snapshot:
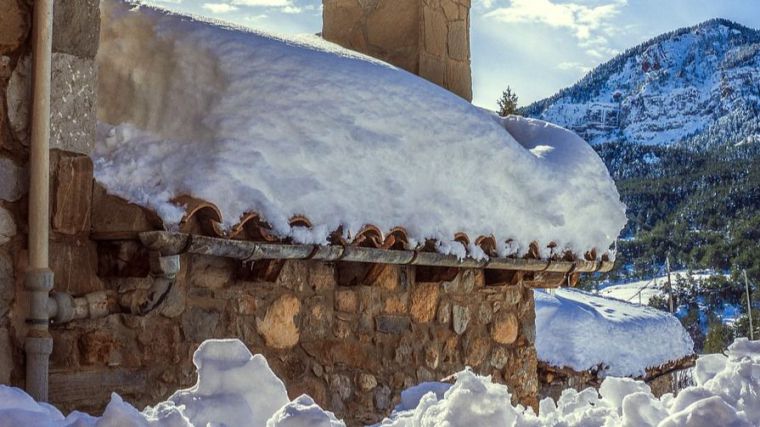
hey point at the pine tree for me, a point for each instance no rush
(507, 103)
(718, 337)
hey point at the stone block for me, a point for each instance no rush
(450, 9)
(321, 276)
(461, 315)
(112, 215)
(476, 351)
(15, 21)
(7, 226)
(73, 103)
(366, 381)
(352, 354)
(346, 300)
(341, 23)
(97, 347)
(444, 313)
(459, 79)
(6, 357)
(458, 44)
(76, 27)
(72, 204)
(199, 324)
(7, 284)
(382, 397)
(435, 31)
(278, 326)
(318, 319)
(19, 98)
(211, 272)
(424, 302)
(505, 327)
(396, 304)
(75, 265)
(393, 25)
(13, 183)
(499, 357)
(432, 68)
(390, 324)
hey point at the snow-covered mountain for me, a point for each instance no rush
(698, 86)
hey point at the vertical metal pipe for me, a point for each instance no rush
(39, 279)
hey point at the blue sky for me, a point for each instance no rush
(535, 46)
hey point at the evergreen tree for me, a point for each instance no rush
(719, 336)
(692, 325)
(507, 103)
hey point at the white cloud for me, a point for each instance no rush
(219, 7)
(574, 66)
(589, 24)
(263, 3)
(291, 9)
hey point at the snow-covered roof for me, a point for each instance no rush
(264, 128)
(582, 331)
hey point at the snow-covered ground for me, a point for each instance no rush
(639, 292)
(582, 331)
(284, 126)
(235, 388)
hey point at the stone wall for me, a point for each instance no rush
(430, 38)
(75, 42)
(350, 335)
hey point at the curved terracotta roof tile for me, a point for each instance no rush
(487, 244)
(370, 235)
(204, 217)
(206, 214)
(397, 238)
(253, 227)
(462, 238)
(299, 221)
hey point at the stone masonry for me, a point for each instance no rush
(75, 43)
(430, 38)
(352, 336)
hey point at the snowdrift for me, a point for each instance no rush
(581, 331)
(297, 126)
(235, 388)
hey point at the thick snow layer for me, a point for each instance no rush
(582, 331)
(726, 393)
(256, 122)
(234, 388)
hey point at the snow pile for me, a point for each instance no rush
(285, 126)
(581, 331)
(235, 389)
(727, 393)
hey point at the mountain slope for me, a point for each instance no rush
(697, 86)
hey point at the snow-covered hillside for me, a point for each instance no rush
(697, 84)
(640, 291)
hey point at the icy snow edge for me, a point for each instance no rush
(255, 122)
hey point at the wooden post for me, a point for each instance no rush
(670, 286)
(749, 305)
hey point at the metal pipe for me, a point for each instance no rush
(173, 243)
(39, 279)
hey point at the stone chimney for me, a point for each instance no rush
(430, 38)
